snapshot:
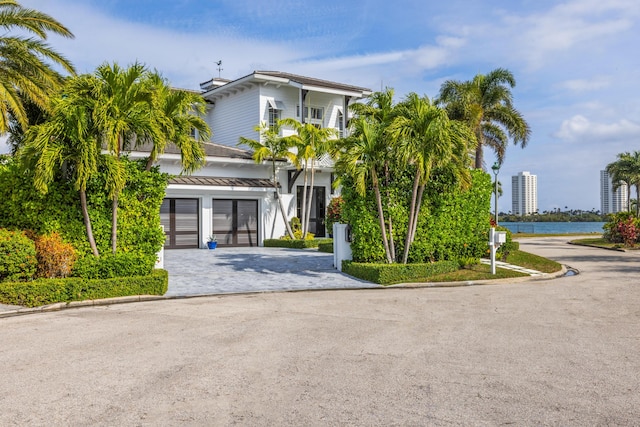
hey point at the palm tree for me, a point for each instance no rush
(486, 105)
(360, 156)
(271, 146)
(626, 169)
(311, 143)
(68, 139)
(180, 118)
(381, 110)
(427, 139)
(124, 113)
(25, 70)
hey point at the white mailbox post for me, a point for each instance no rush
(341, 244)
(496, 238)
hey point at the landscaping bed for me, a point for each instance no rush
(296, 243)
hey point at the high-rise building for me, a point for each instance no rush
(612, 200)
(524, 193)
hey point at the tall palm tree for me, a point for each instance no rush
(26, 73)
(272, 147)
(180, 119)
(427, 139)
(486, 105)
(360, 155)
(124, 114)
(66, 138)
(381, 110)
(311, 143)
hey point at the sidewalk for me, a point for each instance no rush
(500, 264)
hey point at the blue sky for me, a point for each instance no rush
(575, 61)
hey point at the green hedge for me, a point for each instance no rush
(388, 274)
(48, 291)
(294, 244)
(326, 247)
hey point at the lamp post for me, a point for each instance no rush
(496, 170)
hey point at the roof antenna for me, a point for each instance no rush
(219, 64)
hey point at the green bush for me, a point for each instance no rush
(326, 247)
(506, 248)
(17, 256)
(453, 222)
(122, 264)
(622, 227)
(294, 244)
(388, 274)
(48, 291)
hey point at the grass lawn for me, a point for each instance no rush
(526, 235)
(600, 243)
(483, 272)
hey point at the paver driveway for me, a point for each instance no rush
(231, 270)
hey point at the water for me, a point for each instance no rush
(553, 227)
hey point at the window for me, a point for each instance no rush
(316, 113)
(340, 124)
(274, 109)
(274, 116)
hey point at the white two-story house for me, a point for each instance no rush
(232, 197)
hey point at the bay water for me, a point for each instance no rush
(553, 227)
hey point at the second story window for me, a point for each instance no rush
(274, 112)
(313, 115)
(340, 123)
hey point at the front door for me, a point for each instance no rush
(235, 222)
(180, 220)
(316, 219)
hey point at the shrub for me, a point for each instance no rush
(296, 227)
(620, 228)
(334, 213)
(506, 248)
(294, 244)
(48, 291)
(326, 246)
(388, 274)
(55, 257)
(123, 264)
(17, 256)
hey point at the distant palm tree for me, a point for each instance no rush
(626, 169)
(486, 105)
(271, 147)
(26, 74)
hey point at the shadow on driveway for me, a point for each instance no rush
(257, 269)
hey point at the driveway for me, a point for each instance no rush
(256, 269)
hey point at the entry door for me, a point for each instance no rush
(235, 222)
(180, 218)
(316, 219)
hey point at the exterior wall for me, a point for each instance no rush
(524, 193)
(235, 116)
(612, 201)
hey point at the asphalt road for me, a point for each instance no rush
(557, 352)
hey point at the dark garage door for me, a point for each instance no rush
(235, 222)
(180, 218)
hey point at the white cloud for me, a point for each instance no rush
(586, 85)
(579, 128)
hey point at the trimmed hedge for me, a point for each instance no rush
(17, 256)
(326, 247)
(294, 244)
(388, 274)
(48, 291)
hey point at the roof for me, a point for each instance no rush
(222, 182)
(280, 78)
(211, 149)
(314, 82)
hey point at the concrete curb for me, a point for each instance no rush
(143, 298)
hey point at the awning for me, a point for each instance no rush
(276, 105)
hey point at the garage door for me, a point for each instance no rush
(235, 222)
(180, 218)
